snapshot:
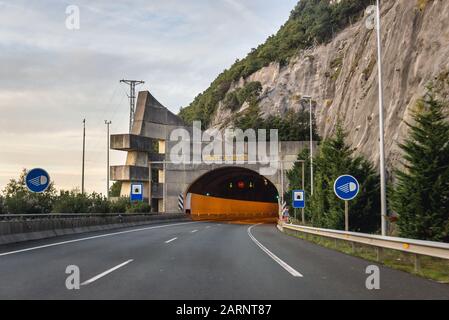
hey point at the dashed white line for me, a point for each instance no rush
(193, 231)
(94, 237)
(284, 265)
(101, 275)
(171, 240)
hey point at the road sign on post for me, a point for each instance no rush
(137, 192)
(299, 199)
(346, 187)
(37, 180)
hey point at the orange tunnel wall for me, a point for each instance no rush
(204, 208)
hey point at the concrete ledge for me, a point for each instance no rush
(20, 231)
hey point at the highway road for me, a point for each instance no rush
(197, 260)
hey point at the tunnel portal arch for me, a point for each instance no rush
(230, 193)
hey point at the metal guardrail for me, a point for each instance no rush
(418, 247)
(8, 217)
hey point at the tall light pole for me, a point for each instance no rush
(383, 183)
(107, 123)
(311, 142)
(84, 156)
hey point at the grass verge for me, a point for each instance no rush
(430, 268)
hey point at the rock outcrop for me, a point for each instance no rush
(341, 76)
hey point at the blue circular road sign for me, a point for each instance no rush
(37, 180)
(346, 187)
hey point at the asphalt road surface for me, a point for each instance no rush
(197, 260)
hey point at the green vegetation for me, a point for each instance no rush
(421, 195)
(234, 100)
(311, 22)
(2, 205)
(138, 207)
(17, 199)
(431, 268)
(293, 126)
(324, 209)
(75, 202)
(115, 189)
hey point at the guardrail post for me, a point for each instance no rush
(417, 263)
(379, 254)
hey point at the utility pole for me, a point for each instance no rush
(383, 183)
(132, 99)
(107, 123)
(84, 156)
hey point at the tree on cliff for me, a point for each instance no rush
(421, 194)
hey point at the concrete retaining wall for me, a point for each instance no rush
(19, 231)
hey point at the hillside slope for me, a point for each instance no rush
(341, 75)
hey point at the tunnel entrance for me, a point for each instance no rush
(232, 193)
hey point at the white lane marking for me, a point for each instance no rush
(284, 265)
(101, 275)
(207, 227)
(171, 240)
(94, 237)
(193, 231)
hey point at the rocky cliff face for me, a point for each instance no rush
(341, 76)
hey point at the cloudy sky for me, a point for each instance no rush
(52, 77)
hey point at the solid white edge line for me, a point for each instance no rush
(171, 240)
(284, 265)
(101, 275)
(93, 237)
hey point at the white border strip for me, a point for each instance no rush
(284, 265)
(94, 237)
(101, 275)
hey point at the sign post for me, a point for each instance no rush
(37, 180)
(346, 216)
(346, 188)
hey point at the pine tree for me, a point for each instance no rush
(324, 209)
(421, 194)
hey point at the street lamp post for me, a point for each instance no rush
(311, 142)
(107, 123)
(84, 156)
(381, 127)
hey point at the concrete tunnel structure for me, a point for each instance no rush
(220, 191)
